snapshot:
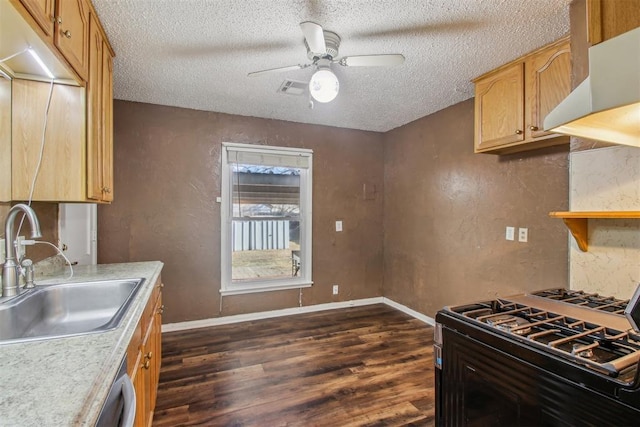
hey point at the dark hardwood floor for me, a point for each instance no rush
(360, 366)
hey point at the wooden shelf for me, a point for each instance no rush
(577, 222)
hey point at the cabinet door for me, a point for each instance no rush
(499, 107)
(156, 347)
(72, 34)
(42, 13)
(139, 384)
(107, 124)
(94, 112)
(149, 371)
(65, 142)
(609, 18)
(548, 81)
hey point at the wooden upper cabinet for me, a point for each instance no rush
(42, 12)
(512, 101)
(107, 124)
(99, 116)
(609, 18)
(94, 112)
(65, 142)
(548, 79)
(71, 35)
(5, 139)
(498, 108)
(79, 133)
(64, 24)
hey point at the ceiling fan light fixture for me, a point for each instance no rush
(324, 85)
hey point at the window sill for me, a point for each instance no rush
(237, 289)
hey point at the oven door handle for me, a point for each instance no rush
(129, 396)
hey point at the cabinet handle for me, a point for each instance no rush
(59, 19)
(161, 285)
(146, 364)
(67, 34)
(161, 309)
(106, 190)
(533, 128)
(518, 132)
(149, 355)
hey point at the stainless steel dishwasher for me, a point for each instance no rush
(120, 407)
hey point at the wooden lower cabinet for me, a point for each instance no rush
(143, 358)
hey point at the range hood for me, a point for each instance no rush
(606, 106)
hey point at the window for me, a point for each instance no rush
(266, 218)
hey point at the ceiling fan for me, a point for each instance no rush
(322, 49)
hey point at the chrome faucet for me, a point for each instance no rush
(10, 270)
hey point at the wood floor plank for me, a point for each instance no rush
(361, 366)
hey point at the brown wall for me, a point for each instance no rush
(167, 177)
(446, 209)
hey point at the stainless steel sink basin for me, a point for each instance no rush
(67, 309)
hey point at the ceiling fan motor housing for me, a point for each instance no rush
(331, 40)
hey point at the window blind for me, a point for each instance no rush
(269, 157)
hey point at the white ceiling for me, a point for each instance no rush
(197, 53)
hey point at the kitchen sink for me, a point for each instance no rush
(62, 310)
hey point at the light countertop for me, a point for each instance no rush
(65, 381)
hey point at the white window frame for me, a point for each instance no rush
(304, 280)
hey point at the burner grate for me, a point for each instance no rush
(585, 299)
(601, 348)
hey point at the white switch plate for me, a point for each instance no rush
(338, 225)
(2, 255)
(523, 234)
(335, 289)
(510, 233)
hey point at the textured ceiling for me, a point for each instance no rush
(197, 53)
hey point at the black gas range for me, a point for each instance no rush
(553, 357)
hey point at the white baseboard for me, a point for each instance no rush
(403, 308)
(226, 320)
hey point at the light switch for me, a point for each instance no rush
(338, 225)
(510, 233)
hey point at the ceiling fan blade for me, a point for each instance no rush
(372, 60)
(314, 35)
(278, 70)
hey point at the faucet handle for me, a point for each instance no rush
(29, 273)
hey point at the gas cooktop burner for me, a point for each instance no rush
(508, 323)
(582, 351)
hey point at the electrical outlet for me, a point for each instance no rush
(335, 289)
(523, 235)
(2, 254)
(510, 233)
(338, 225)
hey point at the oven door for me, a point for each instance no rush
(483, 382)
